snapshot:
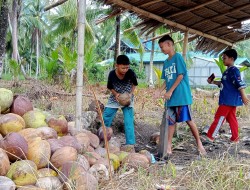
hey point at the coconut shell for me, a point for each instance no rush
(49, 183)
(6, 99)
(34, 119)
(21, 105)
(6, 183)
(23, 172)
(11, 123)
(39, 152)
(60, 125)
(4, 163)
(63, 155)
(124, 99)
(15, 146)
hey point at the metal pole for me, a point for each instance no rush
(80, 61)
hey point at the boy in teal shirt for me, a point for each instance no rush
(178, 93)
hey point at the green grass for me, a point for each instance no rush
(247, 90)
(9, 77)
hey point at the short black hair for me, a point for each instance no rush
(165, 38)
(122, 60)
(232, 53)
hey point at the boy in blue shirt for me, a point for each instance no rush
(232, 94)
(121, 80)
(178, 93)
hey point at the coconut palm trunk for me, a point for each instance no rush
(3, 30)
(151, 82)
(118, 37)
(37, 53)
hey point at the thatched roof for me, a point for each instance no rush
(216, 24)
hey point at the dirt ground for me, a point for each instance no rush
(148, 116)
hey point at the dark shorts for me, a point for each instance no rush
(178, 114)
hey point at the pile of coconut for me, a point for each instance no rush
(42, 151)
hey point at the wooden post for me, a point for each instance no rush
(185, 46)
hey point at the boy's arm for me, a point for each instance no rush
(244, 96)
(159, 90)
(171, 90)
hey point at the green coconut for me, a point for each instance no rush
(11, 123)
(34, 119)
(6, 99)
(23, 172)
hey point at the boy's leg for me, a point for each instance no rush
(171, 129)
(233, 123)
(128, 113)
(196, 135)
(108, 115)
(219, 119)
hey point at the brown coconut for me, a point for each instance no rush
(128, 148)
(4, 163)
(109, 133)
(155, 138)
(84, 140)
(71, 141)
(6, 183)
(136, 160)
(55, 144)
(92, 157)
(82, 160)
(124, 99)
(39, 152)
(21, 105)
(63, 155)
(94, 140)
(69, 170)
(100, 172)
(60, 125)
(147, 154)
(84, 181)
(23, 172)
(29, 134)
(49, 183)
(15, 146)
(6, 99)
(11, 123)
(34, 119)
(101, 151)
(47, 133)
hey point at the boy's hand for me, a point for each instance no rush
(168, 95)
(157, 94)
(116, 96)
(210, 79)
(245, 100)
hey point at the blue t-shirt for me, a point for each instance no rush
(231, 83)
(171, 69)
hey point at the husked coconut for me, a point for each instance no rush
(21, 105)
(34, 119)
(4, 163)
(124, 99)
(15, 146)
(94, 140)
(11, 123)
(39, 152)
(60, 125)
(6, 99)
(49, 183)
(63, 155)
(92, 157)
(23, 172)
(84, 140)
(71, 141)
(6, 183)
(55, 144)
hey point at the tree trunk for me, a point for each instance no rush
(37, 52)
(151, 83)
(117, 38)
(3, 31)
